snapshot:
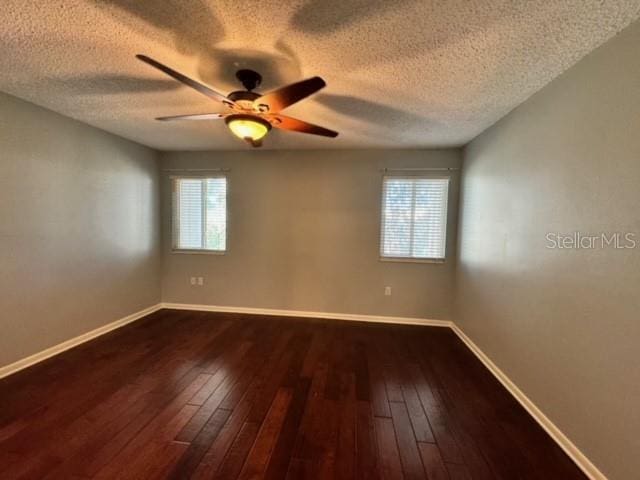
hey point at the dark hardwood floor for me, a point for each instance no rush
(198, 395)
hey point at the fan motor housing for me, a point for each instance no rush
(243, 95)
(243, 98)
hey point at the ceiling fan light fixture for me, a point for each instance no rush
(253, 113)
(248, 127)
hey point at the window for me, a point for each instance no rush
(414, 218)
(200, 214)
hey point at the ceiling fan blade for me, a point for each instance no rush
(281, 98)
(288, 123)
(187, 81)
(197, 116)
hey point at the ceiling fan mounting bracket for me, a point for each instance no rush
(249, 78)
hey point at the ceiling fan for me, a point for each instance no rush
(252, 114)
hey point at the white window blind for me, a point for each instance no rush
(200, 214)
(414, 217)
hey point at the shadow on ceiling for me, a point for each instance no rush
(114, 84)
(400, 29)
(367, 110)
(378, 120)
(326, 16)
(191, 23)
(195, 31)
(220, 66)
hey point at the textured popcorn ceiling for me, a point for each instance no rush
(403, 73)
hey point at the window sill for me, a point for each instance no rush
(412, 260)
(199, 252)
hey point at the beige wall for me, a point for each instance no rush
(304, 235)
(563, 324)
(79, 228)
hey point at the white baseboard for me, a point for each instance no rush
(66, 345)
(301, 313)
(85, 337)
(589, 469)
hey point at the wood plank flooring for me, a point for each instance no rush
(199, 395)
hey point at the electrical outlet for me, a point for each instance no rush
(192, 280)
(200, 281)
(387, 291)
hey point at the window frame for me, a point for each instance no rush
(384, 258)
(175, 221)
